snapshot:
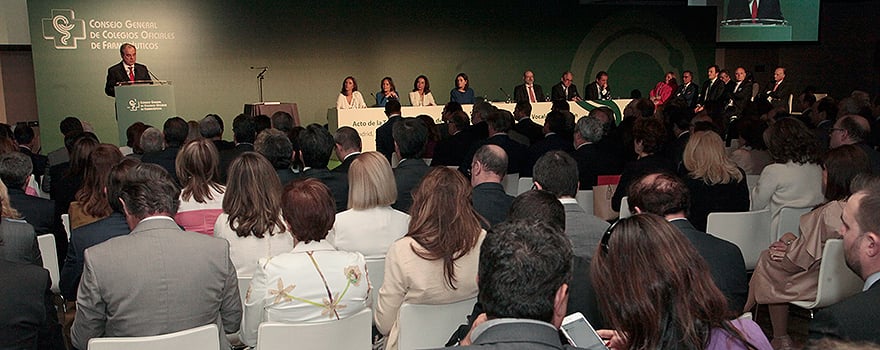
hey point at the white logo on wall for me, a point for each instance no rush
(64, 29)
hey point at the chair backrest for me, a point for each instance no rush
(199, 338)
(65, 219)
(50, 258)
(790, 221)
(430, 326)
(836, 280)
(752, 181)
(353, 332)
(511, 183)
(749, 230)
(525, 184)
(244, 282)
(376, 274)
(585, 200)
(624, 208)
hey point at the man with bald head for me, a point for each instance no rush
(854, 130)
(488, 168)
(528, 91)
(855, 319)
(779, 91)
(565, 90)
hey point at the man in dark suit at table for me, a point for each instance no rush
(244, 133)
(316, 145)
(754, 9)
(488, 168)
(348, 146)
(598, 90)
(668, 196)
(410, 135)
(126, 71)
(565, 90)
(528, 91)
(688, 90)
(15, 172)
(175, 130)
(855, 319)
(384, 137)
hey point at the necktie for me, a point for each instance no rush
(532, 95)
(775, 86)
(131, 74)
(754, 10)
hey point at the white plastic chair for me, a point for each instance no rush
(65, 219)
(749, 230)
(751, 182)
(429, 326)
(353, 332)
(244, 282)
(376, 274)
(624, 208)
(585, 200)
(836, 280)
(50, 258)
(525, 184)
(790, 221)
(511, 183)
(199, 338)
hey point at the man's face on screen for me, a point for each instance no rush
(129, 55)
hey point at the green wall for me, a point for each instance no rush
(207, 47)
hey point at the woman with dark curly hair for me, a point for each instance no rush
(657, 292)
(795, 178)
(648, 134)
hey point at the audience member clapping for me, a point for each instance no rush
(314, 282)
(251, 219)
(202, 196)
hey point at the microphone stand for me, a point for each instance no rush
(260, 81)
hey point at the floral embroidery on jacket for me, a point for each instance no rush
(331, 303)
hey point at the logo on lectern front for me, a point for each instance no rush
(64, 29)
(133, 105)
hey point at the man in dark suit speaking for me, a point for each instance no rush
(126, 71)
(754, 9)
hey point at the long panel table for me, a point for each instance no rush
(366, 120)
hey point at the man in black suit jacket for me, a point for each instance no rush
(565, 90)
(244, 132)
(488, 168)
(713, 90)
(410, 135)
(855, 319)
(125, 71)
(28, 319)
(528, 91)
(558, 127)
(384, 137)
(348, 146)
(598, 90)
(211, 128)
(743, 9)
(451, 150)
(27, 141)
(175, 130)
(15, 172)
(525, 125)
(591, 159)
(779, 91)
(740, 92)
(316, 145)
(667, 196)
(688, 91)
(516, 152)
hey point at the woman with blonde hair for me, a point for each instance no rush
(17, 242)
(715, 182)
(251, 219)
(370, 225)
(91, 200)
(201, 198)
(436, 262)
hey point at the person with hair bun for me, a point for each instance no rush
(656, 292)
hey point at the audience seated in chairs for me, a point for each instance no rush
(91, 200)
(316, 145)
(278, 150)
(436, 262)
(789, 269)
(370, 225)
(251, 219)
(667, 298)
(202, 195)
(314, 282)
(19, 242)
(175, 131)
(410, 135)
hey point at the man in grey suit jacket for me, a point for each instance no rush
(557, 172)
(159, 279)
(667, 196)
(527, 317)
